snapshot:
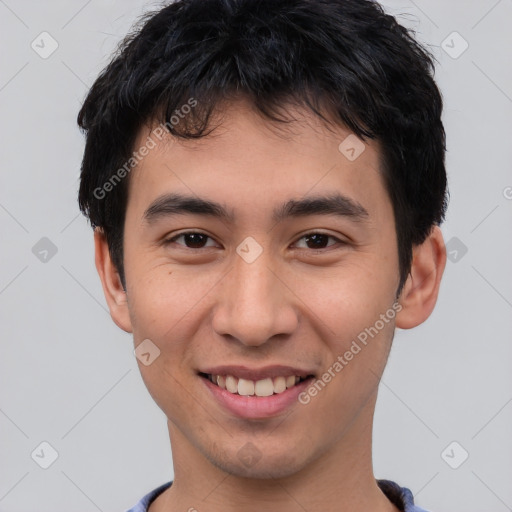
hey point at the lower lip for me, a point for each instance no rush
(253, 407)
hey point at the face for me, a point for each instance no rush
(295, 260)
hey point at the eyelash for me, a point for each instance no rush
(312, 233)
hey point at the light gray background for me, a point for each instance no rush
(67, 373)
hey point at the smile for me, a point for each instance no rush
(260, 388)
(255, 406)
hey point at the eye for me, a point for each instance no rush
(197, 240)
(191, 240)
(318, 241)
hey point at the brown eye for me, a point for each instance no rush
(318, 241)
(191, 240)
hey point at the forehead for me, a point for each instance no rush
(249, 160)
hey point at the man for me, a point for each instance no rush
(266, 181)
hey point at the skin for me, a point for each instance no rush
(293, 305)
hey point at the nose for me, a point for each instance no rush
(254, 303)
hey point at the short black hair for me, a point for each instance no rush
(348, 59)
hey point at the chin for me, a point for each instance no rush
(260, 463)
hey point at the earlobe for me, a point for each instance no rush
(115, 294)
(419, 294)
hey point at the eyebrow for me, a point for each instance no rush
(178, 204)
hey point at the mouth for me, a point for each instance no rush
(255, 388)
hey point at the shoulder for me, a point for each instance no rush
(401, 497)
(145, 501)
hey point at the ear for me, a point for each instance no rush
(111, 282)
(420, 291)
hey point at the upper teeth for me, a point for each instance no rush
(263, 387)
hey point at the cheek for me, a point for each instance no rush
(353, 363)
(164, 299)
(350, 297)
